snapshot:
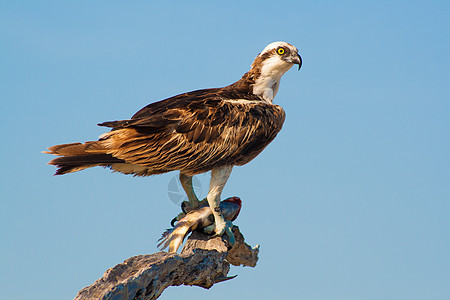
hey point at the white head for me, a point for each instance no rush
(275, 60)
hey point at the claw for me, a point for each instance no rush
(177, 218)
(216, 228)
(187, 206)
(226, 229)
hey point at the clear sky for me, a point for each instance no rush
(351, 200)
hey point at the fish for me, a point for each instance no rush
(197, 219)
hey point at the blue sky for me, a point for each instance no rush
(351, 200)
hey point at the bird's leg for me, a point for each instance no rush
(219, 177)
(186, 183)
(193, 202)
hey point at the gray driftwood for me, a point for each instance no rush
(204, 261)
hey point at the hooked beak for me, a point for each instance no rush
(294, 59)
(298, 60)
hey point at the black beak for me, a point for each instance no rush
(298, 60)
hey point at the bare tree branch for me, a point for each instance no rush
(204, 261)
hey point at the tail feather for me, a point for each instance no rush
(77, 156)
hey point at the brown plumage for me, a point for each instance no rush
(211, 129)
(194, 132)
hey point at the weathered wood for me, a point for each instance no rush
(204, 261)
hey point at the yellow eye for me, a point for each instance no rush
(280, 51)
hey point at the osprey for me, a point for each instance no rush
(195, 132)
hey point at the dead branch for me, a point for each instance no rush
(204, 261)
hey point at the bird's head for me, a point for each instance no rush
(269, 66)
(278, 57)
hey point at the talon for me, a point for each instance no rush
(226, 228)
(187, 206)
(177, 218)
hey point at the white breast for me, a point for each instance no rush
(267, 84)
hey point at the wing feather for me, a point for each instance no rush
(196, 133)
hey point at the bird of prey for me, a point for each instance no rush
(205, 130)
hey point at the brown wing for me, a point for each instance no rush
(195, 135)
